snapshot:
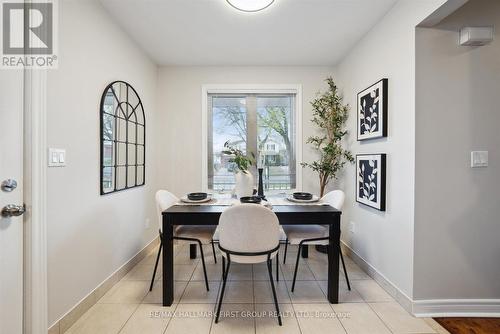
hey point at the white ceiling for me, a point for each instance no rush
(211, 32)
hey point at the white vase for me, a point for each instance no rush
(244, 184)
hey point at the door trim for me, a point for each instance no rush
(35, 189)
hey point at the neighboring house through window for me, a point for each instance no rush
(263, 122)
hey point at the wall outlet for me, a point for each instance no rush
(352, 227)
(147, 223)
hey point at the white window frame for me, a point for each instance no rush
(251, 89)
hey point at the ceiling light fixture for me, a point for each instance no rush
(250, 5)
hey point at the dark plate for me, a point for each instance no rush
(303, 196)
(197, 196)
(251, 199)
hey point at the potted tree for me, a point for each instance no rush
(330, 116)
(244, 179)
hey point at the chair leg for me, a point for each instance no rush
(203, 263)
(213, 250)
(156, 266)
(270, 270)
(286, 248)
(296, 267)
(225, 272)
(345, 271)
(277, 266)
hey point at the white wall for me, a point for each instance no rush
(385, 239)
(90, 236)
(180, 108)
(456, 208)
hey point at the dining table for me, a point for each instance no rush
(288, 213)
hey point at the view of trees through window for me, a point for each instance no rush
(260, 123)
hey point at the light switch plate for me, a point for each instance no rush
(57, 157)
(479, 159)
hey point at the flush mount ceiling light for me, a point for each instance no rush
(250, 5)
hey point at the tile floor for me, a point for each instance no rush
(129, 307)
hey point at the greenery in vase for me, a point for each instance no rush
(242, 161)
(330, 115)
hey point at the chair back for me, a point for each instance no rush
(164, 200)
(248, 228)
(335, 198)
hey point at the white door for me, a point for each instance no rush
(11, 201)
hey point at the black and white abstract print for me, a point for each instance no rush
(370, 180)
(372, 111)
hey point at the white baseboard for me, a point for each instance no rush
(386, 284)
(428, 308)
(68, 319)
(457, 308)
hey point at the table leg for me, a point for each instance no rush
(192, 251)
(333, 261)
(168, 261)
(305, 251)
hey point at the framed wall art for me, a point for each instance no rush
(372, 111)
(370, 180)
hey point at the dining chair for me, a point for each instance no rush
(315, 234)
(201, 234)
(283, 240)
(248, 234)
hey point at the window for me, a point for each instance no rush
(263, 123)
(123, 133)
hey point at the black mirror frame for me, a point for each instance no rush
(102, 139)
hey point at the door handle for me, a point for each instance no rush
(13, 210)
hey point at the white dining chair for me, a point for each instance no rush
(283, 240)
(248, 234)
(201, 234)
(315, 234)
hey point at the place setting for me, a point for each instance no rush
(197, 198)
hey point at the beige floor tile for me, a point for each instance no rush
(303, 272)
(214, 272)
(183, 272)
(264, 294)
(267, 323)
(156, 296)
(143, 272)
(260, 272)
(196, 293)
(359, 318)
(240, 272)
(345, 296)
(103, 319)
(320, 271)
(398, 320)
(150, 258)
(306, 292)
(238, 292)
(370, 291)
(209, 255)
(131, 292)
(148, 319)
(235, 319)
(355, 272)
(182, 256)
(317, 318)
(192, 319)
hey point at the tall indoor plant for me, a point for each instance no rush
(244, 179)
(330, 116)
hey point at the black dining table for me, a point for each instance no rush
(287, 215)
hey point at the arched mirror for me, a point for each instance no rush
(123, 138)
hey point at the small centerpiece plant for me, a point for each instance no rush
(244, 179)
